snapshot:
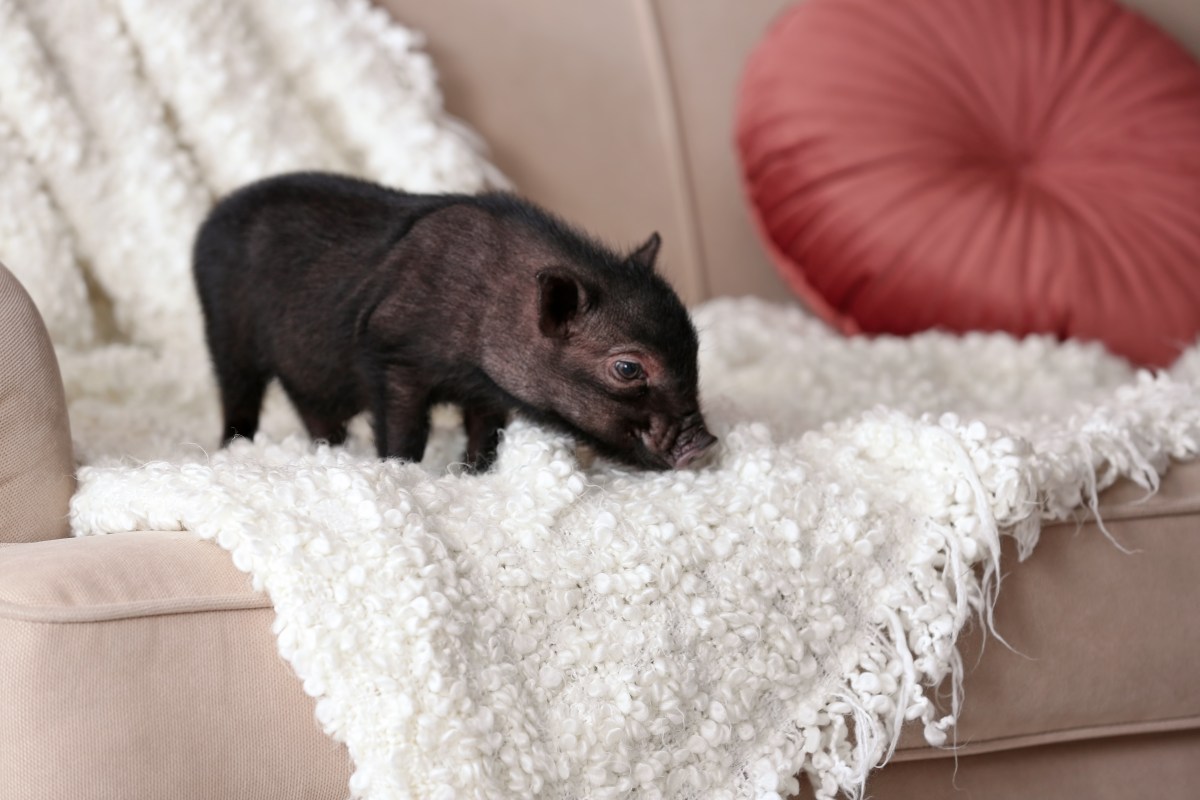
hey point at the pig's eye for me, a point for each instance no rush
(627, 370)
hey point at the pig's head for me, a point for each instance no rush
(616, 359)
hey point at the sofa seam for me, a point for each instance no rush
(1076, 733)
(664, 87)
(91, 614)
(1085, 516)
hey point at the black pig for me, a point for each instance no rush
(358, 297)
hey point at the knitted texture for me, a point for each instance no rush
(559, 626)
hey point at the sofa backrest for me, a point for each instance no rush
(619, 115)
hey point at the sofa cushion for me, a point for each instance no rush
(37, 471)
(1025, 166)
(1149, 765)
(1100, 643)
(142, 666)
(1099, 702)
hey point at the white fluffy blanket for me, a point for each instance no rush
(560, 630)
(557, 627)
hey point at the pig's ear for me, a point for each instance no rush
(646, 254)
(561, 298)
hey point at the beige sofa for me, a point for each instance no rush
(143, 666)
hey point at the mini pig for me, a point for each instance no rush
(356, 296)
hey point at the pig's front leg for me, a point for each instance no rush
(483, 426)
(401, 411)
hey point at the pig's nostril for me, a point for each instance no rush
(700, 446)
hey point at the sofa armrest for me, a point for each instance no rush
(141, 666)
(36, 464)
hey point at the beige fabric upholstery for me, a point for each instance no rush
(1099, 700)
(1088, 623)
(1156, 766)
(142, 666)
(36, 465)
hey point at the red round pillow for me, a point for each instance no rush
(1030, 166)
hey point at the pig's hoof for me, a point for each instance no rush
(481, 463)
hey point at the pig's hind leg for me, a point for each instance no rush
(242, 388)
(241, 379)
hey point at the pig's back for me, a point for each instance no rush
(286, 264)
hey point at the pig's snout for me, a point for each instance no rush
(692, 445)
(671, 442)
